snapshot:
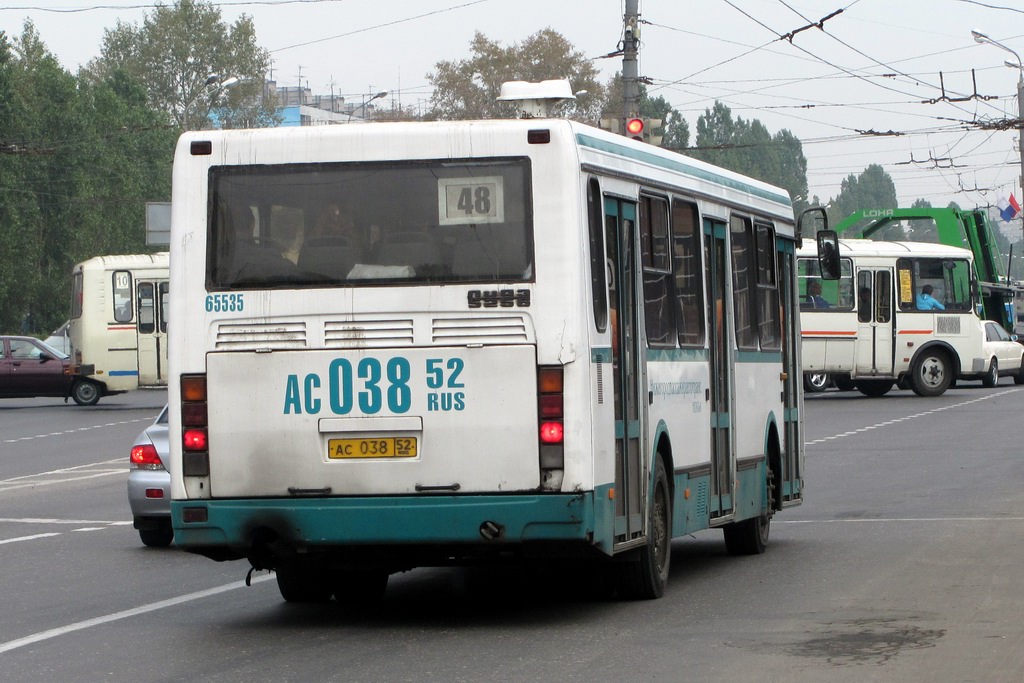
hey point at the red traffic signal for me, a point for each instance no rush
(635, 128)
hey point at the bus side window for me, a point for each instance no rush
(122, 282)
(164, 305)
(864, 299)
(689, 266)
(147, 319)
(598, 284)
(657, 265)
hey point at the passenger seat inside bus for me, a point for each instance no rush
(331, 257)
(415, 249)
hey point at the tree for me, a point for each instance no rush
(747, 147)
(78, 159)
(185, 56)
(872, 189)
(469, 88)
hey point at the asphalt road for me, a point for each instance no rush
(906, 563)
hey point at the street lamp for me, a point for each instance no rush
(980, 37)
(212, 88)
(362, 109)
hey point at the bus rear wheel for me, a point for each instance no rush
(874, 387)
(301, 582)
(645, 578)
(85, 393)
(360, 587)
(932, 374)
(749, 537)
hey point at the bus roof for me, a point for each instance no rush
(595, 148)
(858, 247)
(125, 261)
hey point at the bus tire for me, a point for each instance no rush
(303, 583)
(844, 383)
(360, 587)
(749, 537)
(874, 387)
(85, 393)
(160, 537)
(645, 578)
(991, 377)
(931, 374)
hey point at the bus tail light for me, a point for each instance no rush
(551, 414)
(195, 456)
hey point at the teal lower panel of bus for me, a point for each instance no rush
(516, 518)
(693, 502)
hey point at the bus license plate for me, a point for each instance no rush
(388, 447)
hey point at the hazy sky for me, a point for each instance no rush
(872, 68)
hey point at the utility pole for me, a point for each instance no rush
(630, 67)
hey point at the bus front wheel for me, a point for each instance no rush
(85, 393)
(932, 374)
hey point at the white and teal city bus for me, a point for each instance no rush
(412, 344)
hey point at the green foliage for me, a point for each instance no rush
(872, 189)
(182, 54)
(747, 147)
(78, 159)
(469, 88)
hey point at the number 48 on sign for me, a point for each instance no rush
(462, 201)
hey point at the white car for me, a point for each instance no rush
(1005, 355)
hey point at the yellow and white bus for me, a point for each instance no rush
(432, 343)
(901, 313)
(119, 323)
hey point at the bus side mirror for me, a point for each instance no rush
(828, 254)
(811, 221)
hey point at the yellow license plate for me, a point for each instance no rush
(387, 447)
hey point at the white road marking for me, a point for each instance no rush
(44, 520)
(28, 538)
(909, 417)
(116, 616)
(79, 429)
(875, 520)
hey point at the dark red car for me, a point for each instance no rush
(29, 367)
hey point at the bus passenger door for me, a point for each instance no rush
(152, 332)
(630, 465)
(723, 463)
(792, 466)
(875, 330)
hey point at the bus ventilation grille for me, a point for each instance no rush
(947, 324)
(479, 329)
(368, 334)
(254, 335)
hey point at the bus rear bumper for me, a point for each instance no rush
(267, 530)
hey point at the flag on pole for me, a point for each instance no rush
(1008, 209)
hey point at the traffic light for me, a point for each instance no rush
(643, 130)
(635, 128)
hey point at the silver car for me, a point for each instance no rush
(149, 484)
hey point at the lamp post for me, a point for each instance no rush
(212, 88)
(362, 109)
(1019, 65)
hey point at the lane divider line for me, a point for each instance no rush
(908, 417)
(125, 614)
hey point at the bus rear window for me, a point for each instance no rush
(369, 224)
